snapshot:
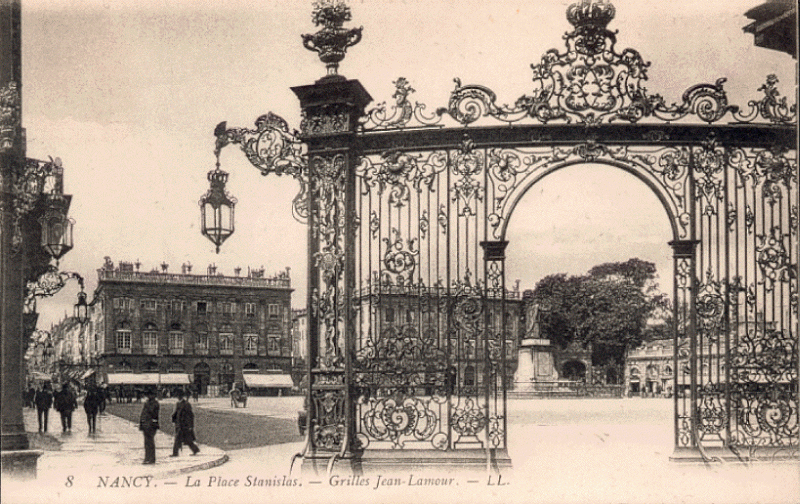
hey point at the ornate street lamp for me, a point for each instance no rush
(56, 228)
(216, 206)
(81, 309)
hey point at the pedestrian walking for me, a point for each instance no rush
(102, 397)
(183, 418)
(65, 403)
(91, 405)
(148, 424)
(30, 397)
(43, 400)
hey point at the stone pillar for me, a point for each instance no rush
(331, 108)
(17, 460)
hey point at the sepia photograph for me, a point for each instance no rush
(380, 251)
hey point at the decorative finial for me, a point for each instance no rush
(594, 13)
(332, 41)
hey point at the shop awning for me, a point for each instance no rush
(133, 378)
(174, 379)
(268, 380)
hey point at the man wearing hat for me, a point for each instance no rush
(148, 424)
(183, 418)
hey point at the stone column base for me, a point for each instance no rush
(20, 464)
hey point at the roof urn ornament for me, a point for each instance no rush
(332, 41)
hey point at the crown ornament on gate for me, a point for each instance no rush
(332, 41)
(590, 19)
(590, 13)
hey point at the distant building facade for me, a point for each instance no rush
(423, 321)
(300, 334)
(208, 330)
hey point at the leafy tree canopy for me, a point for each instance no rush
(608, 308)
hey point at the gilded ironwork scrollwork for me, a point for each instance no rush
(403, 112)
(399, 260)
(10, 115)
(328, 229)
(467, 189)
(589, 83)
(764, 369)
(773, 258)
(328, 428)
(271, 148)
(400, 173)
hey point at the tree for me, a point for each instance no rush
(608, 308)
(556, 296)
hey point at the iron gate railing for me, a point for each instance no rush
(408, 206)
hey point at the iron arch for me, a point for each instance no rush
(671, 207)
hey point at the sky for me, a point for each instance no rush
(127, 94)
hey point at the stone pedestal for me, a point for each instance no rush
(535, 364)
(20, 465)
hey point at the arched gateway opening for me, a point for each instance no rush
(407, 208)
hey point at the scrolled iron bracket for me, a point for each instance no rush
(272, 148)
(48, 285)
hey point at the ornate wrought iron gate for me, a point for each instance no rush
(408, 341)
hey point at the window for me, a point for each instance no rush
(226, 344)
(123, 340)
(274, 346)
(251, 344)
(176, 305)
(202, 307)
(227, 309)
(123, 303)
(175, 342)
(274, 311)
(148, 304)
(150, 340)
(390, 315)
(250, 310)
(201, 343)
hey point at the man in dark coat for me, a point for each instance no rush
(43, 400)
(148, 424)
(30, 397)
(183, 418)
(91, 405)
(65, 403)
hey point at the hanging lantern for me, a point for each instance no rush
(56, 230)
(216, 209)
(81, 309)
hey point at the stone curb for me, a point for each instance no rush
(198, 467)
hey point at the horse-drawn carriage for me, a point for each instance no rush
(238, 398)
